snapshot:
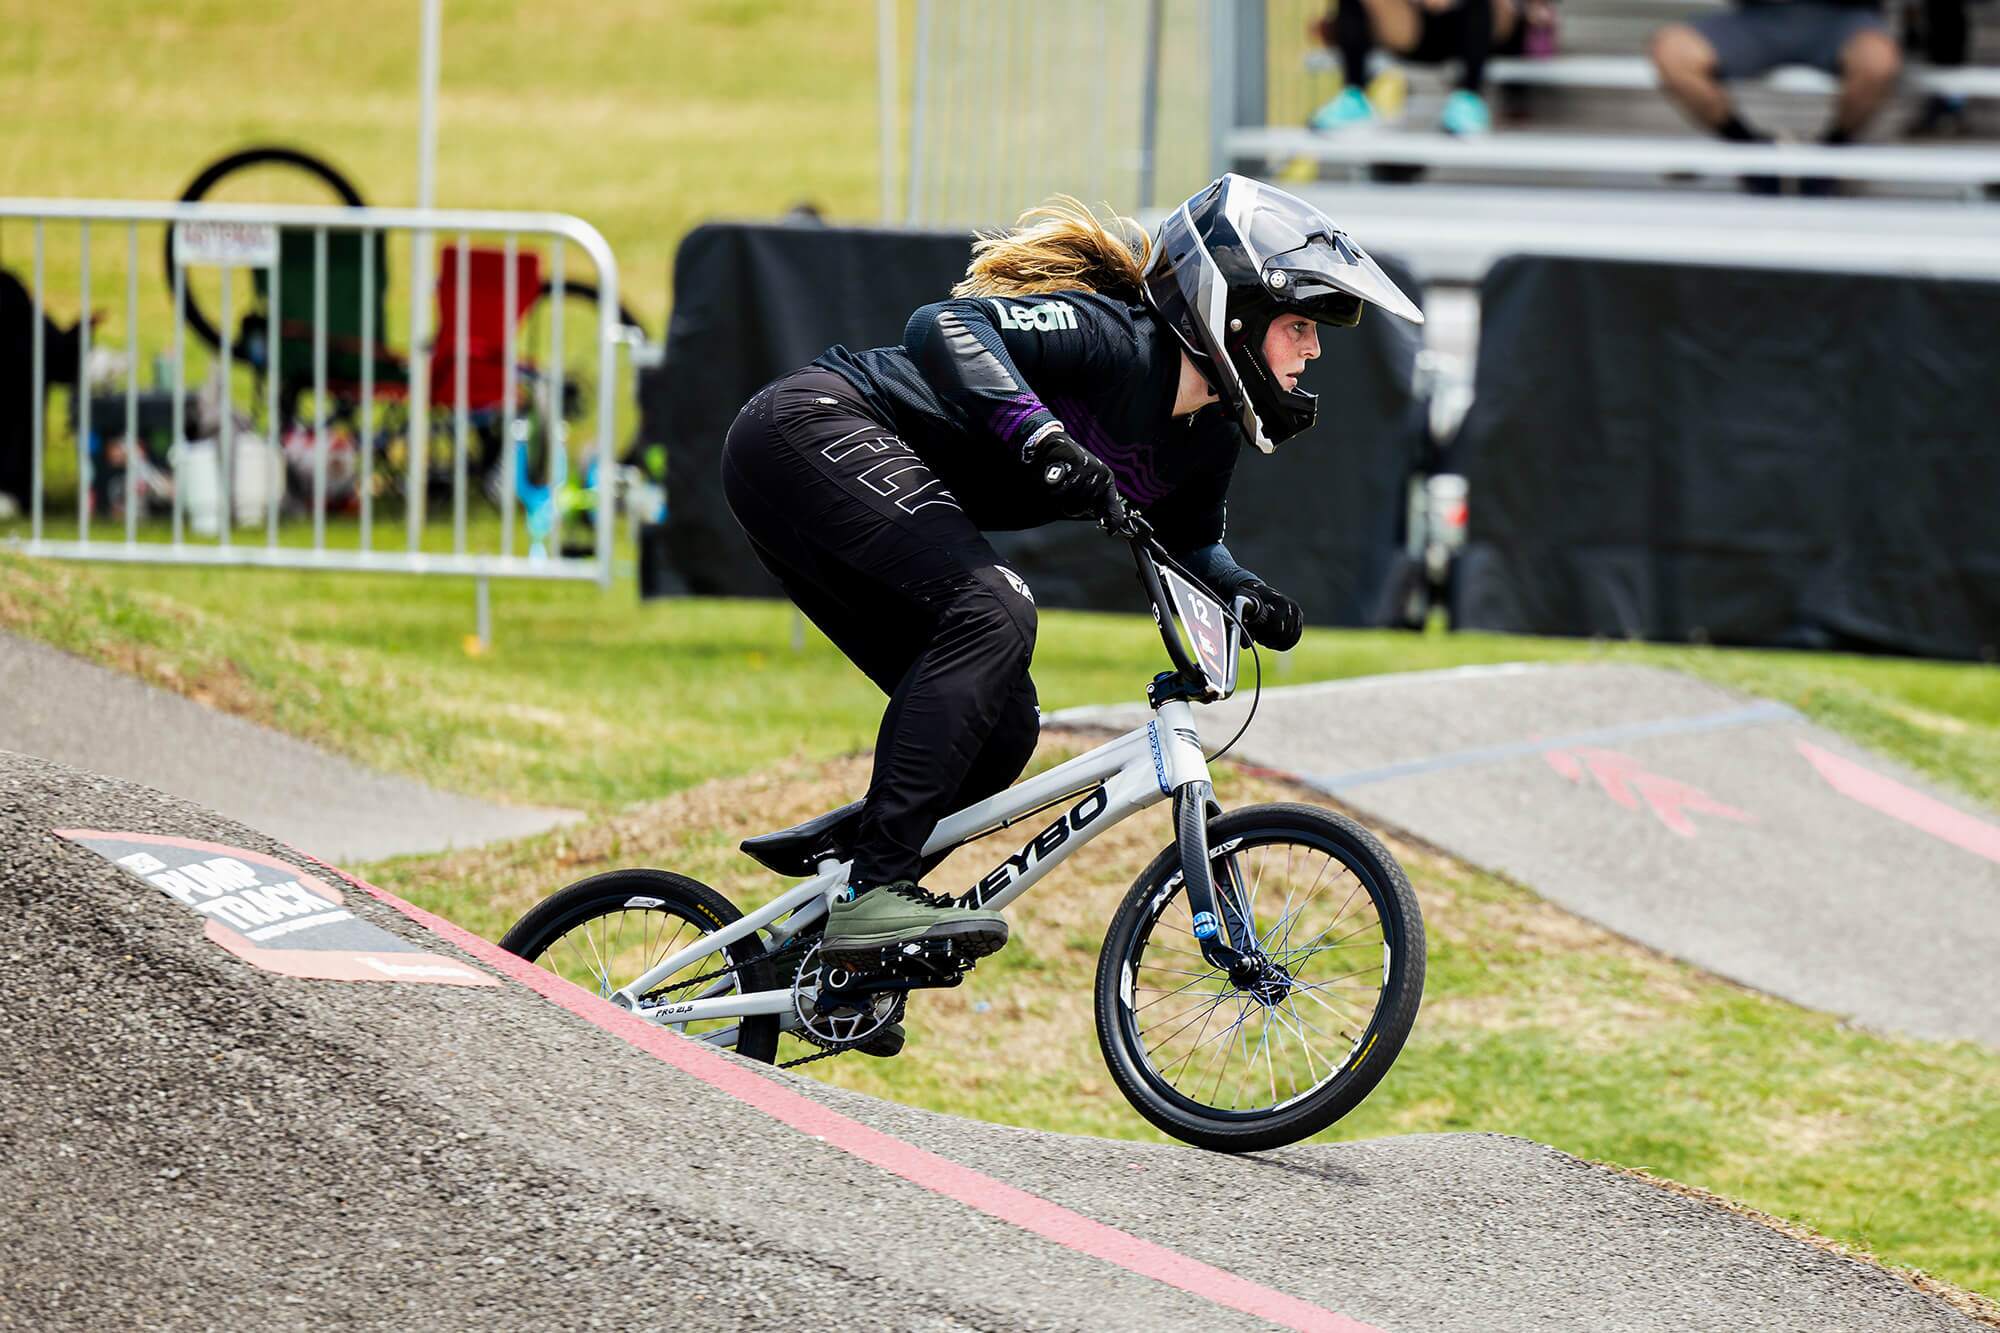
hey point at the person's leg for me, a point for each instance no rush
(916, 598)
(1357, 26)
(940, 720)
(1696, 59)
(1356, 39)
(1869, 65)
(1856, 46)
(1475, 43)
(1397, 24)
(1463, 33)
(1690, 61)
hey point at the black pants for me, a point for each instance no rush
(877, 552)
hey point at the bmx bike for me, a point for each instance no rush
(1254, 985)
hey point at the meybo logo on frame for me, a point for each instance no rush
(1048, 317)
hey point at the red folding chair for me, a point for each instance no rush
(482, 344)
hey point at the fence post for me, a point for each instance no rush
(886, 80)
(1149, 102)
(1238, 55)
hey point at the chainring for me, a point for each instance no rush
(840, 1029)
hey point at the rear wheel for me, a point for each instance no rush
(609, 930)
(1245, 1062)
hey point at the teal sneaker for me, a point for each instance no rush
(1465, 113)
(1349, 109)
(870, 927)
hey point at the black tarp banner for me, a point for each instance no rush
(1745, 456)
(1321, 519)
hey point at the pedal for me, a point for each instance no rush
(917, 965)
(886, 1042)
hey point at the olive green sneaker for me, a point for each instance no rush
(869, 926)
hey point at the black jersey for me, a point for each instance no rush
(976, 377)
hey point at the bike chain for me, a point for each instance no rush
(784, 952)
(825, 1053)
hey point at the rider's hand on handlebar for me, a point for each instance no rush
(1080, 482)
(1271, 618)
(1120, 519)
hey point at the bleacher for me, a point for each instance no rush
(1589, 158)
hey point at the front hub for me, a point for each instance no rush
(1263, 980)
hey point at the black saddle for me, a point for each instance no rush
(798, 851)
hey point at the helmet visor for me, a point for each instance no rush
(1329, 278)
(1287, 235)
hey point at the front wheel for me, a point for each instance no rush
(611, 929)
(1292, 1042)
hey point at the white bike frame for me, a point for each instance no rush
(1116, 780)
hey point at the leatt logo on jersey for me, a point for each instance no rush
(1048, 317)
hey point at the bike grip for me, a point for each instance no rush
(1244, 606)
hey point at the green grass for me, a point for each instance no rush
(591, 699)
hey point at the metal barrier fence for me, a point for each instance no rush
(347, 423)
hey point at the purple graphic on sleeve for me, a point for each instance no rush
(1008, 417)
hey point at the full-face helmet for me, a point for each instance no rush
(1238, 255)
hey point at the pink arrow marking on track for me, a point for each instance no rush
(1624, 781)
(1895, 800)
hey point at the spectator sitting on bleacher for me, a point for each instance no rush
(1848, 40)
(1425, 32)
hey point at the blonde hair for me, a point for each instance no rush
(1061, 245)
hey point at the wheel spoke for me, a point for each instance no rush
(1207, 1012)
(1312, 892)
(1168, 1072)
(1298, 1034)
(1322, 935)
(1159, 995)
(1207, 1002)
(1180, 971)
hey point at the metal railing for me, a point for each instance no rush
(362, 421)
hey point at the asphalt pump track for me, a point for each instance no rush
(1722, 829)
(193, 1136)
(62, 707)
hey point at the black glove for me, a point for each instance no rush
(1080, 482)
(1275, 621)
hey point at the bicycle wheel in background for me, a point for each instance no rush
(248, 161)
(608, 930)
(1244, 1063)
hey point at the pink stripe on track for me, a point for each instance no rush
(1914, 808)
(993, 1197)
